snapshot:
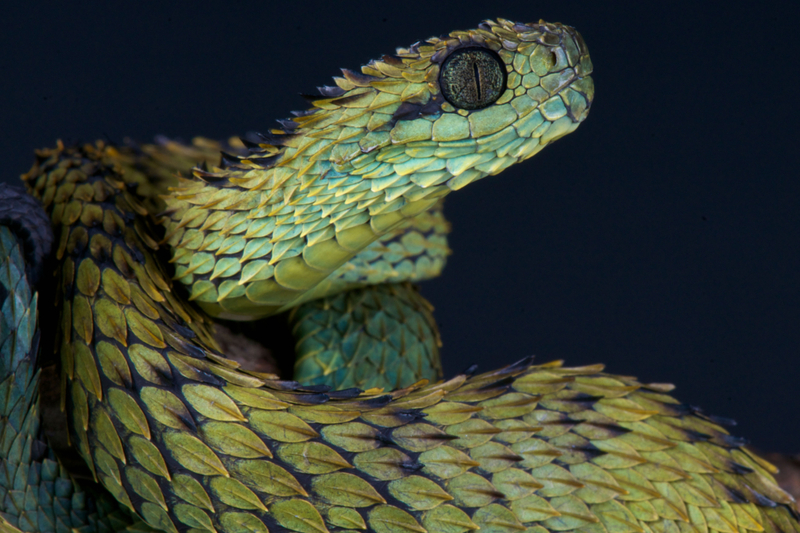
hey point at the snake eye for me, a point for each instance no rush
(472, 78)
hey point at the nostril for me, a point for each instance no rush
(550, 60)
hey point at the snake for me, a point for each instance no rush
(325, 226)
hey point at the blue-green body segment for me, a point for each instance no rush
(382, 336)
(36, 492)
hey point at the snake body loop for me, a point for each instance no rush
(332, 219)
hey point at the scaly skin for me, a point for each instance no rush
(270, 230)
(37, 492)
(191, 442)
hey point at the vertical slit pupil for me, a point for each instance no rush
(472, 78)
(477, 80)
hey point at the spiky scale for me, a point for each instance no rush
(446, 462)
(242, 523)
(145, 486)
(144, 329)
(80, 407)
(128, 412)
(345, 518)
(390, 519)
(268, 477)
(418, 493)
(384, 464)
(234, 493)
(86, 369)
(149, 364)
(157, 517)
(107, 435)
(346, 490)
(299, 515)
(472, 490)
(191, 491)
(110, 321)
(193, 454)
(282, 426)
(313, 458)
(148, 455)
(533, 508)
(165, 407)
(497, 518)
(193, 517)
(88, 279)
(113, 364)
(212, 403)
(448, 519)
(258, 398)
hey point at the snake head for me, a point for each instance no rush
(263, 232)
(502, 91)
(488, 98)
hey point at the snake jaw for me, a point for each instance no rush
(264, 232)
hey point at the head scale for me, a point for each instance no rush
(266, 231)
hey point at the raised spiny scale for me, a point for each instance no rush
(202, 444)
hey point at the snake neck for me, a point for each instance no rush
(247, 254)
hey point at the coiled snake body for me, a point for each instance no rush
(330, 218)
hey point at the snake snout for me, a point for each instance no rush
(550, 65)
(581, 83)
(570, 69)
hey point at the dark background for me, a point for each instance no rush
(661, 238)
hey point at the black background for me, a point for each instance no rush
(660, 238)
